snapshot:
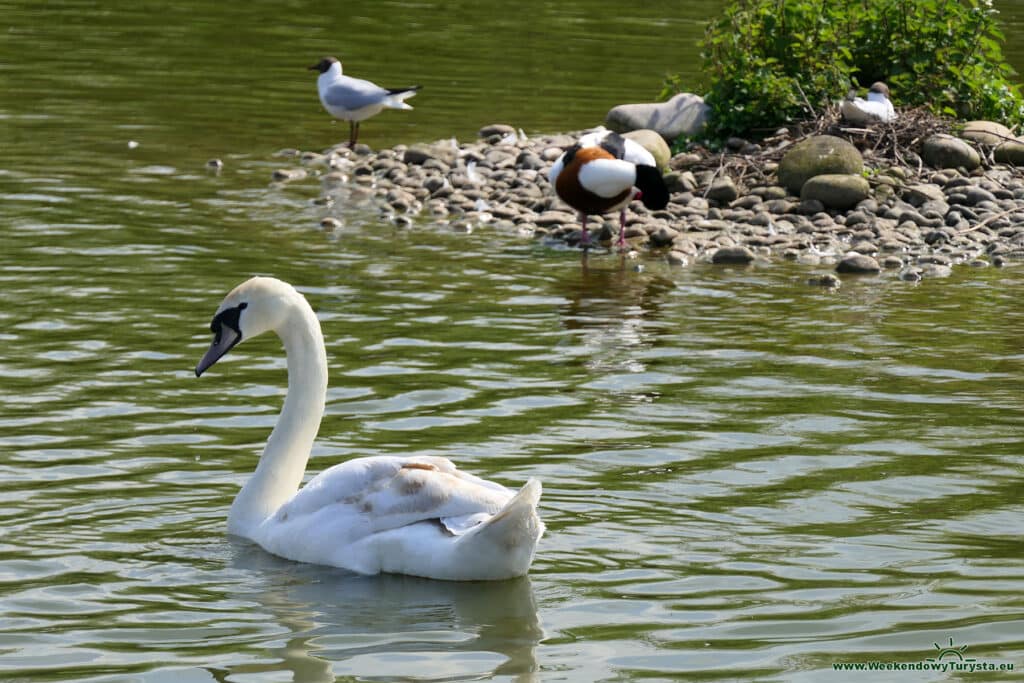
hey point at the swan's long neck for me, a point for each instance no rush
(284, 458)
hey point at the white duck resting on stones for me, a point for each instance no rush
(876, 107)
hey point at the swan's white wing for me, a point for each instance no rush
(353, 514)
(388, 492)
(457, 526)
(607, 177)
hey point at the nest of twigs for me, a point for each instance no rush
(896, 143)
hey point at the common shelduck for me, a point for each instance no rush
(603, 172)
(353, 99)
(876, 107)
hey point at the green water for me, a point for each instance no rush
(745, 477)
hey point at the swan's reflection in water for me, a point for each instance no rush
(388, 627)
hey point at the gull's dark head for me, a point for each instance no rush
(880, 88)
(324, 64)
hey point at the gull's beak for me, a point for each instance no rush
(315, 67)
(223, 342)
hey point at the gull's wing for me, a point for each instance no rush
(353, 93)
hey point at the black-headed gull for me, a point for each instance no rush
(876, 107)
(353, 99)
(603, 172)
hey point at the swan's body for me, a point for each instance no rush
(415, 515)
(876, 107)
(604, 172)
(354, 99)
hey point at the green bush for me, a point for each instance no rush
(769, 62)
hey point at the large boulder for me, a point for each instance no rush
(684, 114)
(817, 155)
(1010, 153)
(653, 143)
(1008, 148)
(946, 151)
(839, 191)
(986, 132)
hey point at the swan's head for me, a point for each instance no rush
(256, 306)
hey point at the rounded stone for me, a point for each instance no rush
(826, 280)
(677, 258)
(946, 151)
(420, 153)
(836, 190)
(732, 255)
(663, 236)
(501, 129)
(858, 263)
(817, 155)
(528, 160)
(986, 132)
(653, 143)
(1010, 153)
(680, 181)
(684, 160)
(918, 194)
(723, 190)
(811, 206)
(285, 175)
(684, 114)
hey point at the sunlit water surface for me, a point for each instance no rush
(745, 477)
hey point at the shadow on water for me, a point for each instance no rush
(334, 623)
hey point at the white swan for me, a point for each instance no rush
(416, 515)
(876, 107)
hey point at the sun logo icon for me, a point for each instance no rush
(951, 651)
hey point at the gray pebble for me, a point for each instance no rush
(732, 255)
(285, 175)
(826, 280)
(858, 263)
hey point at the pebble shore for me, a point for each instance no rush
(916, 223)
